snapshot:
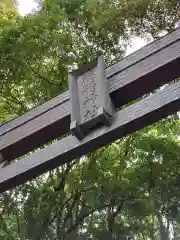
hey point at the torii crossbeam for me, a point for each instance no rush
(136, 75)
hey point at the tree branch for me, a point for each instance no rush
(81, 218)
(5, 228)
(18, 223)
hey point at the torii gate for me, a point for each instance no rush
(93, 103)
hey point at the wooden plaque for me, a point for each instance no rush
(90, 101)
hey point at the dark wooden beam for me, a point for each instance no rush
(133, 58)
(134, 76)
(134, 117)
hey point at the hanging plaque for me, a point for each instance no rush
(90, 101)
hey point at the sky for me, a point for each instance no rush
(136, 44)
(26, 6)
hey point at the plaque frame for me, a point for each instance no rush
(104, 108)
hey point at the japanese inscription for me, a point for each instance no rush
(90, 100)
(88, 95)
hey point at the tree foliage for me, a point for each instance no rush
(126, 190)
(9, 4)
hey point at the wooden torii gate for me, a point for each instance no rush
(136, 75)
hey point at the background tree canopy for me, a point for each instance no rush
(127, 190)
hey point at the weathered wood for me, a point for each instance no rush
(144, 52)
(133, 58)
(89, 98)
(129, 79)
(130, 119)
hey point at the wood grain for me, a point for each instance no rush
(130, 119)
(133, 58)
(134, 76)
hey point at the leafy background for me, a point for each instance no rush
(126, 190)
